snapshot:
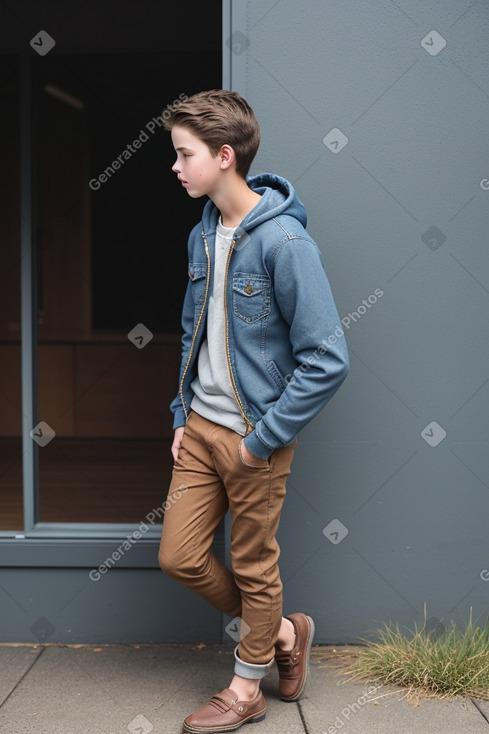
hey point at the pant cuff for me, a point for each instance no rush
(250, 670)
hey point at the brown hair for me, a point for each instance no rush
(218, 118)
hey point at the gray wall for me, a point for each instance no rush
(402, 207)
(127, 605)
(416, 158)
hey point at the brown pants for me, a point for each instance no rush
(208, 478)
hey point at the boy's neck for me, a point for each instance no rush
(235, 200)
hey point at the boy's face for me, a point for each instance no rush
(196, 167)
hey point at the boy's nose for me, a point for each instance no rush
(175, 168)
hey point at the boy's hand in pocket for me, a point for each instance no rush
(250, 458)
(177, 440)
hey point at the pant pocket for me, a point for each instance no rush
(265, 464)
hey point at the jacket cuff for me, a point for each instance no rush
(179, 418)
(257, 447)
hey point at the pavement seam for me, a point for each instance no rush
(303, 718)
(484, 716)
(22, 677)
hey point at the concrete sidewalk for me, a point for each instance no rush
(116, 689)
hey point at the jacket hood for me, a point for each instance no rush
(278, 196)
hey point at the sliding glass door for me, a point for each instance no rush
(93, 263)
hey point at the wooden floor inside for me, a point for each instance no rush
(88, 480)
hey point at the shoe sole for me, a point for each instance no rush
(299, 693)
(212, 729)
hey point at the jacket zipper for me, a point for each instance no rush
(192, 345)
(247, 422)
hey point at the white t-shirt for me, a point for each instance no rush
(213, 393)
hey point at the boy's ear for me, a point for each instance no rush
(228, 156)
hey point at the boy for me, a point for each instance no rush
(263, 352)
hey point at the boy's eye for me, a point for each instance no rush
(186, 155)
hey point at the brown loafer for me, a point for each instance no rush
(293, 665)
(225, 713)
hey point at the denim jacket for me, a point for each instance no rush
(285, 347)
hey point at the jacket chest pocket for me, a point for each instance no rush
(197, 273)
(251, 296)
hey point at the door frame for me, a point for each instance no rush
(61, 545)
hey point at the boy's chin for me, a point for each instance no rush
(195, 194)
